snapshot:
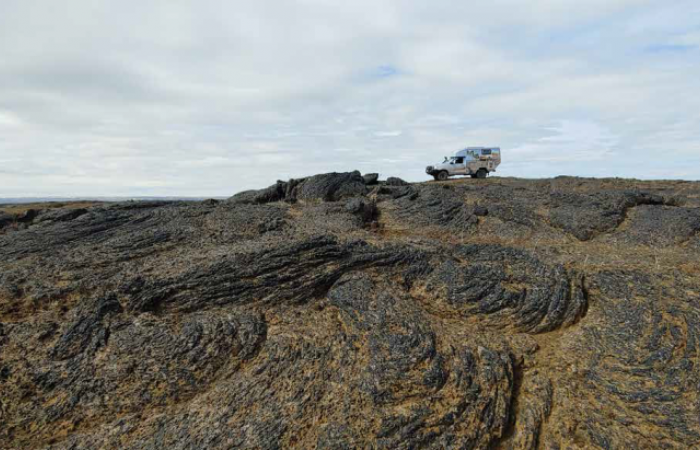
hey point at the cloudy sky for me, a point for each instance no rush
(208, 98)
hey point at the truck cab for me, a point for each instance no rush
(476, 162)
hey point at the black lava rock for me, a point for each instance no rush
(393, 181)
(315, 314)
(371, 179)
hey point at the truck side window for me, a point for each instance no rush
(459, 161)
(486, 151)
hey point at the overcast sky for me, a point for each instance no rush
(209, 98)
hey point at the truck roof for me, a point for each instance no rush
(464, 150)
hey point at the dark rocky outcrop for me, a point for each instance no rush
(6, 219)
(61, 215)
(365, 209)
(331, 186)
(394, 181)
(434, 206)
(329, 312)
(371, 178)
(587, 215)
(27, 216)
(323, 187)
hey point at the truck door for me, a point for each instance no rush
(460, 167)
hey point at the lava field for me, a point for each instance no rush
(340, 312)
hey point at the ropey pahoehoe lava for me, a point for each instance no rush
(338, 311)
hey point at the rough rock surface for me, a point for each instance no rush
(6, 219)
(394, 181)
(326, 313)
(323, 187)
(371, 178)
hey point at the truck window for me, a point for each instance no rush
(459, 160)
(486, 151)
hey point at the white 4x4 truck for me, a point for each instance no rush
(474, 161)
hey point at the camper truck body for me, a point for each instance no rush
(476, 162)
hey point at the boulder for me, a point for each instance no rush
(481, 211)
(370, 178)
(6, 219)
(394, 181)
(363, 208)
(27, 216)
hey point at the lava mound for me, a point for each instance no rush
(340, 311)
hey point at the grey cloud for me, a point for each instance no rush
(163, 98)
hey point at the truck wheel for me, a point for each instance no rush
(473, 175)
(481, 173)
(442, 176)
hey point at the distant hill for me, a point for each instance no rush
(20, 200)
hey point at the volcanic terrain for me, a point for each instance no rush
(341, 312)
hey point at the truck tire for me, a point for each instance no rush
(442, 176)
(481, 173)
